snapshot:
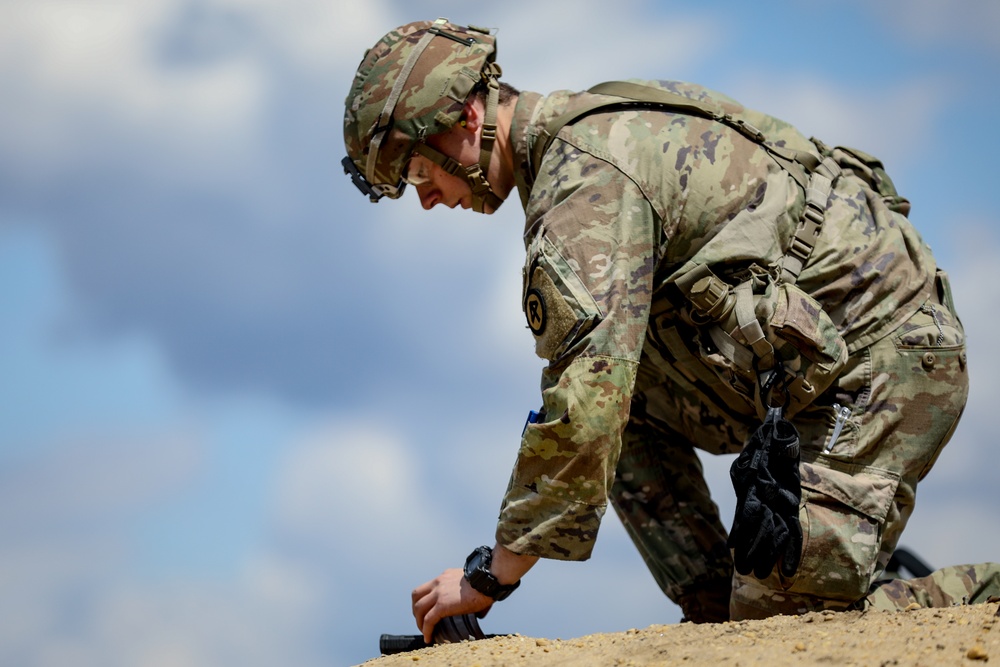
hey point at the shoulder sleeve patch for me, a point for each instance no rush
(549, 317)
(534, 310)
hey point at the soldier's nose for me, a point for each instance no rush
(428, 197)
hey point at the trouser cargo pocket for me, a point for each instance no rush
(843, 512)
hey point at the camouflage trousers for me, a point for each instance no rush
(959, 584)
(904, 396)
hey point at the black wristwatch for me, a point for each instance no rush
(477, 573)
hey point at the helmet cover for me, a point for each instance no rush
(412, 84)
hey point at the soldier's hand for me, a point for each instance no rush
(446, 595)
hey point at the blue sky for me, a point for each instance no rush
(243, 412)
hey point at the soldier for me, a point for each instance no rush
(698, 275)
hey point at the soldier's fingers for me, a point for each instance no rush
(421, 590)
(423, 601)
(430, 620)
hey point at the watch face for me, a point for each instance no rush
(478, 574)
(475, 562)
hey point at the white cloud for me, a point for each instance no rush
(64, 513)
(349, 483)
(891, 120)
(73, 589)
(95, 479)
(37, 578)
(498, 314)
(543, 47)
(944, 532)
(112, 52)
(317, 34)
(131, 623)
(83, 81)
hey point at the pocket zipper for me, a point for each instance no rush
(842, 416)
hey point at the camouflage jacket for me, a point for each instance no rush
(625, 201)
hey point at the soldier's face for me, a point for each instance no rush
(436, 186)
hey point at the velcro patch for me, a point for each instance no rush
(549, 317)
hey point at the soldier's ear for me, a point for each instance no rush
(472, 115)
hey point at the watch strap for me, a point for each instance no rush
(477, 573)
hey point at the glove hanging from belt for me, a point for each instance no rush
(766, 530)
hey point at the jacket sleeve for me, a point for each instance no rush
(591, 252)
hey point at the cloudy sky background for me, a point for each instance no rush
(243, 412)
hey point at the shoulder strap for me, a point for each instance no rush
(637, 95)
(814, 176)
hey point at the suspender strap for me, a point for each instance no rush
(817, 195)
(636, 95)
(642, 93)
(750, 326)
(814, 176)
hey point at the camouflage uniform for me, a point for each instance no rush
(623, 203)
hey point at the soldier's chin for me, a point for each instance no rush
(489, 210)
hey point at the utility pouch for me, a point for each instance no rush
(760, 325)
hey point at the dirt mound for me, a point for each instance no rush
(948, 636)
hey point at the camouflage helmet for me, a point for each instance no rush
(411, 85)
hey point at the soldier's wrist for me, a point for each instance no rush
(479, 575)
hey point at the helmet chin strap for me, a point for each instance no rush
(475, 175)
(482, 193)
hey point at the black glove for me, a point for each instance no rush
(766, 477)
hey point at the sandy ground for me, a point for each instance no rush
(968, 635)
